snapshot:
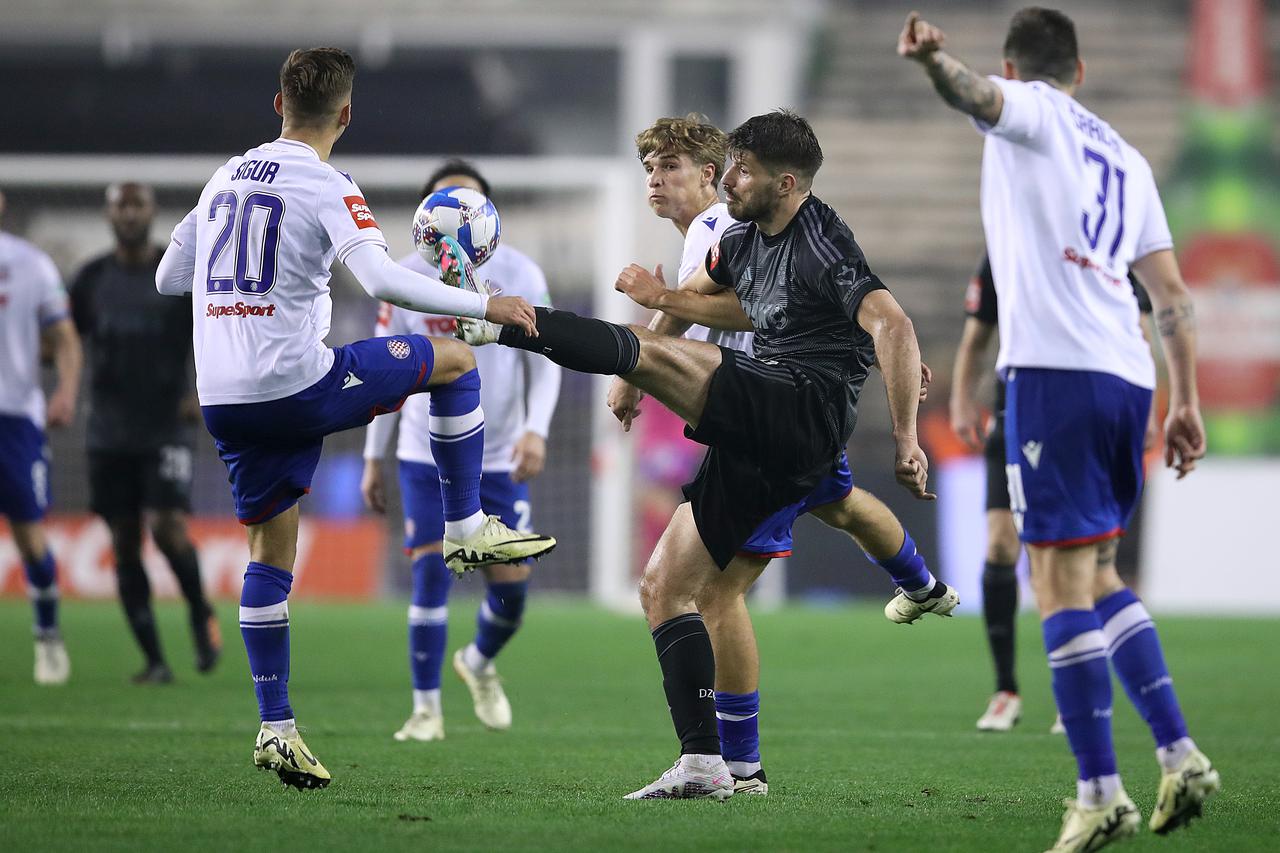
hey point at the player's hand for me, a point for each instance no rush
(1184, 440)
(912, 469)
(967, 421)
(530, 456)
(61, 410)
(372, 487)
(512, 311)
(919, 39)
(645, 288)
(926, 376)
(624, 401)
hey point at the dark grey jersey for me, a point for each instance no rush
(138, 352)
(802, 288)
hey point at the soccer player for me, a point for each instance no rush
(34, 318)
(684, 160)
(1069, 207)
(518, 393)
(255, 253)
(999, 579)
(776, 423)
(141, 423)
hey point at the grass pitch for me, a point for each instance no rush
(867, 736)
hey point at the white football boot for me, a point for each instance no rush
(904, 610)
(424, 724)
(693, 777)
(1085, 830)
(1002, 714)
(1183, 791)
(52, 666)
(755, 785)
(456, 270)
(289, 757)
(487, 696)
(494, 542)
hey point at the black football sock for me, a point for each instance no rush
(584, 344)
(135, 595)
(688, 677)
(1000, 611)
(186, 568)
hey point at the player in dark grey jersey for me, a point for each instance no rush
(141, 422)
(776, 423)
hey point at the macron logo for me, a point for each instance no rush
(351, 381)
(1031, 450)
(710, 222)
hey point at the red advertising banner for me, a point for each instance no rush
(336, 559)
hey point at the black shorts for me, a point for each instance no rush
(771, 444)
(126, 483)
(993, 454)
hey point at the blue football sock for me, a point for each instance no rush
(264, 624)
(1082, 685)
(907, 567)
(499, 616)
(1138, 660)
(737, 718)
(457, 443)
(42, 578)
(429, 620)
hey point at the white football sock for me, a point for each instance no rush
(1096, 792)
(473, 660)
(427, 700)
(463, 528)
(1172, 755)
(284, 728)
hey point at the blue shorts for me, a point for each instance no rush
(24, 469)
(424, 509)
(1073, 453)
(773, 537)
(271, 449)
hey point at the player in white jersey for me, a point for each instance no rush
(1069, 207)
(518, 393)
(255, 254)
(34, 318)
(684, 161)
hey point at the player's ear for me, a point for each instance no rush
(1079, 74)
(279, 104)
(787, 183)
(1009, 70)
(344, 115)
(708, 174)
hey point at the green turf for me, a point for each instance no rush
(867, 732)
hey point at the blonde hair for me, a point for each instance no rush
(694, 135)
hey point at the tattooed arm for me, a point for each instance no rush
(1176, 324)
(958, 85)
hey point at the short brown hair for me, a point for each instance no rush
(315, 81)
(1042, 45)
(694, 135)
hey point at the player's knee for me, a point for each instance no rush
(29, 538)
(453, 359)
(170, 532)
(126, 539)
(1003, 545)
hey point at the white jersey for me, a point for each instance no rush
(1067, 206)
(31, 298)
(268, 226)
(518, 389)
(704, 232)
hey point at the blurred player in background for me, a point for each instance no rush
(34, 319)
(255, 253)
(776, 423)
(142, 419)
(518, 393)
(1068, 207)
(684, 159)
(999, 577)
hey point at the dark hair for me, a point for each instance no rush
(781, 140)
(456, 166)
(1042, 45)
(694, 135)
(314, 82)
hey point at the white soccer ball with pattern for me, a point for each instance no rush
(464, 214)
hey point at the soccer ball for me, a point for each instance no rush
(464, 214)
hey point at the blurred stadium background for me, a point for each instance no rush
(546, 97)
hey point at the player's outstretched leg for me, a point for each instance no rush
(264, 624)
(1187, 776)
(496, 623)
(471, 539)
(52, 665)
(428, 632)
